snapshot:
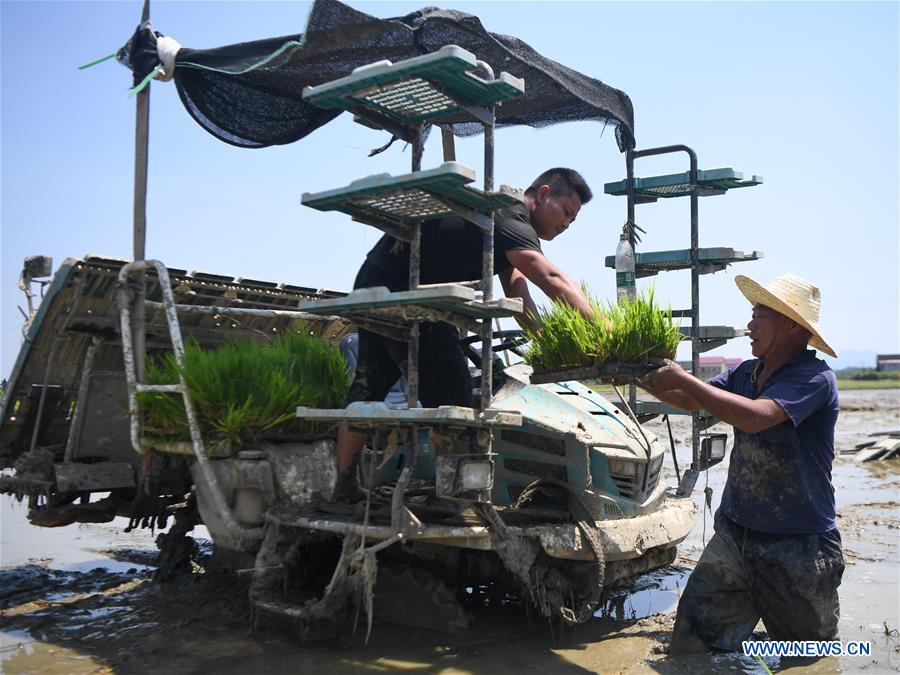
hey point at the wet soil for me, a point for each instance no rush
(80, 600)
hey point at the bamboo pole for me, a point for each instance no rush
(141, 143)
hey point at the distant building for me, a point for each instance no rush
(711, 365)
(887, 362)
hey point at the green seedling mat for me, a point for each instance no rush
(417, 90)
(679, 185)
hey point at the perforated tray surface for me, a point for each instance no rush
(396, 204)
(714, 181)
(715, 332)
(403, 307)
(711, 260)
(416, 90)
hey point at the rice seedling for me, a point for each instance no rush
(246, 391)
(633, 332)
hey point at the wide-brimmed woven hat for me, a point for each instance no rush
(793, 297)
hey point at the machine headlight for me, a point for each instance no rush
(469, 477)
(476, 476)
(712, 450)
(623, 467)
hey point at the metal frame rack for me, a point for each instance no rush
(404, 98)
(695, 183)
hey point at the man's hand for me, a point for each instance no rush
(668, 377)
(673, 385)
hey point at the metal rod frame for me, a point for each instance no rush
(141, 154)
(630, 156)
(135, 385)
(77, 425)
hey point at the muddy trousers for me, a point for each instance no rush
(788, 581)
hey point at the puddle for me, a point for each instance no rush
(20, 654)
(654, 593)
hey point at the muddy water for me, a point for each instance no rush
(79, 600)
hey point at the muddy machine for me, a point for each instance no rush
(542, 486)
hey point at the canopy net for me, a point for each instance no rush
(250, 94)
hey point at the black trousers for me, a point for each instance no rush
(444, 377)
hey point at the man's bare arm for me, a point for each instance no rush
(515, 285)
(674, 397)
(746, 414)
(555, 283)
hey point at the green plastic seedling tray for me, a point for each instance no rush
(420, 89)
(714, 181)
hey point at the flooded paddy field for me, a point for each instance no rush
(80, 599)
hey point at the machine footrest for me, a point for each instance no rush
(362, 414)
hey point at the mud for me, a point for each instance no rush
(79, 600)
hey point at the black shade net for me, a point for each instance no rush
(250, 94)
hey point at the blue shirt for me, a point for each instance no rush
(779, 479)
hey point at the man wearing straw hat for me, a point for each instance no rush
(776, 552)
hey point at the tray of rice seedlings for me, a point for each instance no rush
(621, 342)
(247, 391)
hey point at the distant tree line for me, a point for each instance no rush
(867, 374)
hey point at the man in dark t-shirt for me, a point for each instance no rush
(776, 553)
(451, 251)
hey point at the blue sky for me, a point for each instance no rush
(804, 94)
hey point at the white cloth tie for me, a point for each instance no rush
(166, 49)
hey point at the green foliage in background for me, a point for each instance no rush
(867, 374)
(631, 332)
(246, 391)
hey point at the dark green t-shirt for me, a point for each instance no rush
(451, 248)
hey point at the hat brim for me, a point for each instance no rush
(758, 295)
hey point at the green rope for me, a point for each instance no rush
(762, 663)
(291, 44)
(143, 83)
(100, 60)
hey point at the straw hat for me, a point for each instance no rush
(795, 298)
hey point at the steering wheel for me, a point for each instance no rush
(511, 340)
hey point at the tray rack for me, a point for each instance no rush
(404, 98)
